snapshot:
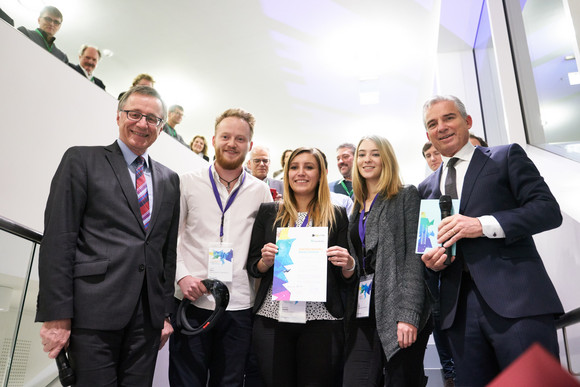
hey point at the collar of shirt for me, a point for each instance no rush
(86, 73)
(130, 156)
(464, 155)
(45, 36)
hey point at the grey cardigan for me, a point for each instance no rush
(399, 287)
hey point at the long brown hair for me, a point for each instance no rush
(320, 209)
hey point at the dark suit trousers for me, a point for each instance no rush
(294, 354)
(219, 353)
(483, 343)
(124, 357)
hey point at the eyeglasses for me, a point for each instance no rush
(133, 115)
(48, 19)
(258, 161)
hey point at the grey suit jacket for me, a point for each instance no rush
(36, 38)
(398, 287)
(96, 255)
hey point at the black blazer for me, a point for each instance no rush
(95, 255)
(264, 232)
(79, 70)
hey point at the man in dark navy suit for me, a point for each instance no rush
(496, 298)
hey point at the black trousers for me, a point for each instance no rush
(291, 354)
(124, 357)
(214, 358)
(366, 364)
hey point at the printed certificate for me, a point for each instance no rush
(300, 267)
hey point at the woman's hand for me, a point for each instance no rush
(340, 257)
(268, 254)
(406, 334)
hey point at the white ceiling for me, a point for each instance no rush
(295, 64)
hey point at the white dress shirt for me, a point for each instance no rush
(199, 226)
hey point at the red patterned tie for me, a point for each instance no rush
(142, 195)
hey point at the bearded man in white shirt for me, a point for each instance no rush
(219, 205)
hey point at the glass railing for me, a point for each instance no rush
(21, 357)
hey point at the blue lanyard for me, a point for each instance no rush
(219, 200)
(362, 229)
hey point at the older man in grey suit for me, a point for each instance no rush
(107, 259)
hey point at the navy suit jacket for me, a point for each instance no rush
(96, 256)
(503, 182)
(95, 80)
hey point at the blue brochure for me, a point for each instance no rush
(429, 219)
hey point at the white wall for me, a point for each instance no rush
(45, 108)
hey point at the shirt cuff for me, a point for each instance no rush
(491, 227)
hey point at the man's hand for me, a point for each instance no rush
(165, 332)
(435, 258)
(406, 334)
(455, 227)
(192, 288)
(54, 336)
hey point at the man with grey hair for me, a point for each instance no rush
(344, 160)
(89, 57)
(495, 296)
(49, 23)
(174, 117)
(259, 165)
(107, 260)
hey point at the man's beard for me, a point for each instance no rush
(229, 164)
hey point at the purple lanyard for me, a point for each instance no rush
(219, 200)
(362, 228)
(305, 222)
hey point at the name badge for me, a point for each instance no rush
(220, 262)
(365, 288)
(292, 312)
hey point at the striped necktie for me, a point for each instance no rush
(142, 195)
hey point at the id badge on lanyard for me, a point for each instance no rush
(221, 261)
(365, 288)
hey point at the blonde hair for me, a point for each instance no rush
(389, 181)
(239, 113)
(320, 209)
(204, 150)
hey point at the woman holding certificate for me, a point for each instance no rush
(297, 246)
(387, 313)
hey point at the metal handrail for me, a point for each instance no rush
(19, 230)
(563, 322)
